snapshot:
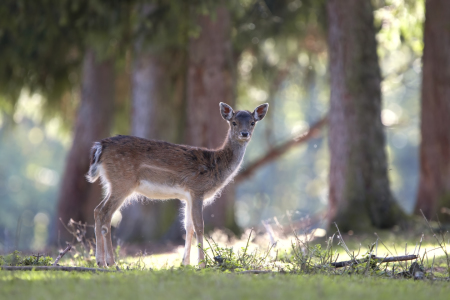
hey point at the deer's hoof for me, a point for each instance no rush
(101, 263)
(110, 264)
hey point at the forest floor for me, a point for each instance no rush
(247, 268)
(191, 284)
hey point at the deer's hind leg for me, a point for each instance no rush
(103, 214)
(189, 226)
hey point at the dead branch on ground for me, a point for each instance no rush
(52, 268)
(254, 272)
(373, 257)
(61, 254)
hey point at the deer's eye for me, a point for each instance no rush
(234, 124)
(253, 124)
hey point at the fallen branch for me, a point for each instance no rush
(61, 254)
(373, 257)
(280, 150)
(52, 268)
(254, 272)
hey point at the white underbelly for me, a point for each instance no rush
(161, 192)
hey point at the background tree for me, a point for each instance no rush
(77, 197)
(158, 83)
(278, 55)
(359, 196)
(210, 80)
(99, 25)
(433, 196)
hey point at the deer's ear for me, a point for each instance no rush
(260, 112)
(226, 111)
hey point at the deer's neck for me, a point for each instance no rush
(231, 155)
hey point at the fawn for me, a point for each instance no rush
(161, 170)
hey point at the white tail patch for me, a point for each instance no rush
(94, 171)
(98, 150)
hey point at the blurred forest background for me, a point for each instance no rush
(358, 129)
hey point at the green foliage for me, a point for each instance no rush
(226, 259)
(42, 44)
(16, 259)
(306, 258)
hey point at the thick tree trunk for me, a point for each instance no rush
(434, 187)
(210, 81)
(142, 220)
(78, 198)
(156, 114)
(360, 196)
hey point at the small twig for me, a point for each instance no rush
(441, 244)
(432, 265)
(269, 232)
(52, 268)
(344, 245)
(378, 238)
(61, 254)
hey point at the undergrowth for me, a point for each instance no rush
(304, 257)
(331, 257)
(17, 259)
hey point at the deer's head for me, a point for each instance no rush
(242, 122)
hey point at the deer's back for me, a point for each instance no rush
(163, 166)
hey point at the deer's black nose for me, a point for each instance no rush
(244, 134)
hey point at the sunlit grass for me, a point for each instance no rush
(385, 244)
(162, 276)
(191, 284)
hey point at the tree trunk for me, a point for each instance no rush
(434, 186)
(359, 196)
(78, 198)
(141, 220)
(157, 112)
(210, 80)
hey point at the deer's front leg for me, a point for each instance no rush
(197, 217)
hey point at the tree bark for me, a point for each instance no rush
(433, 196)
(210, 80)
(141, 220)
(78, 198)
(359, 195)
(157, 114)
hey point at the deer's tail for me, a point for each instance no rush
(94, 170)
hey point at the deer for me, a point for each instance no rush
(128, 166)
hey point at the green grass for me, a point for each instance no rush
(207, 284)
(299, 270)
